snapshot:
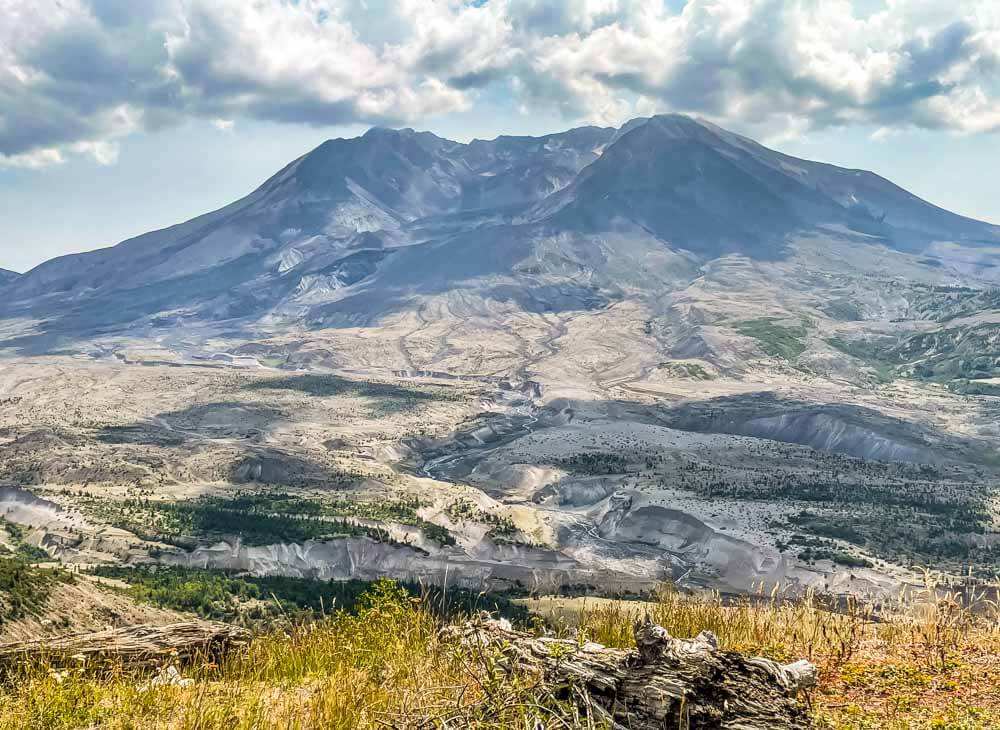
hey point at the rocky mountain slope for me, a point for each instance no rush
(359, 228)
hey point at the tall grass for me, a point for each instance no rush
(927, 662)
(385, 667)
(765, 625)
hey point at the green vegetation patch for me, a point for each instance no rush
(273, 518)
(466, 509)
(908, 535)
(261, 600)
(974, 387)
(942, 303)
(25, 588)
(212, 517)
(843, 310)
(23, 551)
(689, 370)
(814, 548)
(868, 350)
(811, 555)
(875, 353)
(594, 463)
(954, 354)
(402, 511)
(910, 513)
(775, 339)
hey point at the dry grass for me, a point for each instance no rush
(930, 661)
(384, 668)
(926, 663)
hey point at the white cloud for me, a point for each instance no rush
(77, 75)
(36, 159)
(789, 64)
(102, 152)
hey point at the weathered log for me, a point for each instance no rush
(135, 646)
(662, 683)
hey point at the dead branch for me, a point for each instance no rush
(135, 646)
(663, 683)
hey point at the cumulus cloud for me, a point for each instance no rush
(78, 75)
(778, 64)
(297, 62)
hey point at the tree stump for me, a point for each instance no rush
(663, 683)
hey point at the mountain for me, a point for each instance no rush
(704, 189)
(606, 357)
(6, 276)
(361, 228)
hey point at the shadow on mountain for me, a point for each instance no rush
(839, 428)
(65, 322)
(563, 297)
(218, 294)
(189, 430)
(382, 398)
(231, 420)
(139, 434)
(272, 466)
(694, 188)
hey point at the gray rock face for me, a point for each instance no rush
(631, 520)
(364, 559)
(842, 429)
(358, 227)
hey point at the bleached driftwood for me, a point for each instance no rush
(131, 645)
(662, 683)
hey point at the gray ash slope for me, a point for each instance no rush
(359, 228)
(701, 188)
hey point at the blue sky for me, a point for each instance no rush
(119, 117)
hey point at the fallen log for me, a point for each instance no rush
(133, 646)
(663, 683)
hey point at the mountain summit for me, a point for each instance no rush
(361, 227)
(704, 189)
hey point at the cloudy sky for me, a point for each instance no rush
(118, 116)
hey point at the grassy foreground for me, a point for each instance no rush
(929, 664)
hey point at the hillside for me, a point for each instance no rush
(926, 664)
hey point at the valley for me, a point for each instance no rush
(574, 461)
(388, 363)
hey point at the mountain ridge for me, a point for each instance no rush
(399, 213)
